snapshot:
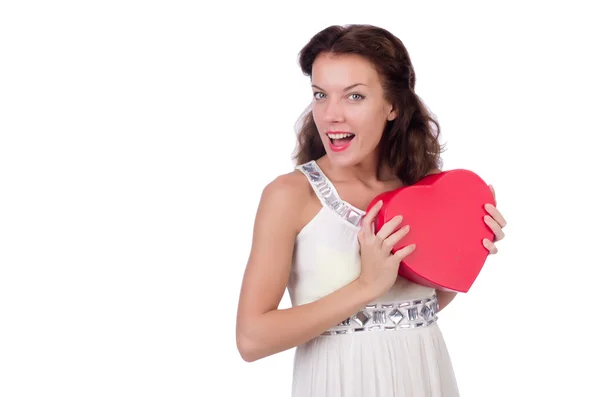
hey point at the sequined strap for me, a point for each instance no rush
(328, 195)
(391, 316)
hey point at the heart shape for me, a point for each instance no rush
(445, 212)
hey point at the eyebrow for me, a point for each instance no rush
(345, 89)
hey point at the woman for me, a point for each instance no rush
(359, 329)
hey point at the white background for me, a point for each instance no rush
(136, 138)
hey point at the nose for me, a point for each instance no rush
(333, 112)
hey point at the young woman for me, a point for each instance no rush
(359, 329)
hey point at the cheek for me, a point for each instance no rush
(369, 122)
(317, 117)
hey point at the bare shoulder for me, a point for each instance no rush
(290, 186)
(287, 195)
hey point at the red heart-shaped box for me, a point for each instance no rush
(445, 212)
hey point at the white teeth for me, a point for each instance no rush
(339, 136)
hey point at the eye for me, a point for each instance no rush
(316, 95)
(356, 97)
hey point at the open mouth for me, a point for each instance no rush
(340, 139)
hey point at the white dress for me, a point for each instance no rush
(391, 348)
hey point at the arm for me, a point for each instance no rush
(262, 329)
(444, 298)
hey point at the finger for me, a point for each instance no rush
(499, 234)
(367, 221)
(389, 227)
(403, 253)
(392, 240)
(493, 211)
(490, 246)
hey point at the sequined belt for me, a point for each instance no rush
(390, 317)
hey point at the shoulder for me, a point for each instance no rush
(286, 197)
(287, 188)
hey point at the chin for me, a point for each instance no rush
(343, 159)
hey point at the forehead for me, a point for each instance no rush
(338, 71)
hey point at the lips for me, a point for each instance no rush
(340, 140)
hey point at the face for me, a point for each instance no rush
(349, 107)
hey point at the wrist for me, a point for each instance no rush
(363, 292)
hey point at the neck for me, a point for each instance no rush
(367, 171)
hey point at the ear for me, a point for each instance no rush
(392, 115)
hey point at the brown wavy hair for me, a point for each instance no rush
(409, 144)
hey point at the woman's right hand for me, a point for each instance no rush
(379, 267)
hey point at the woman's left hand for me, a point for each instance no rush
(496, 222)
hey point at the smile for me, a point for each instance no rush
(339, 141)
